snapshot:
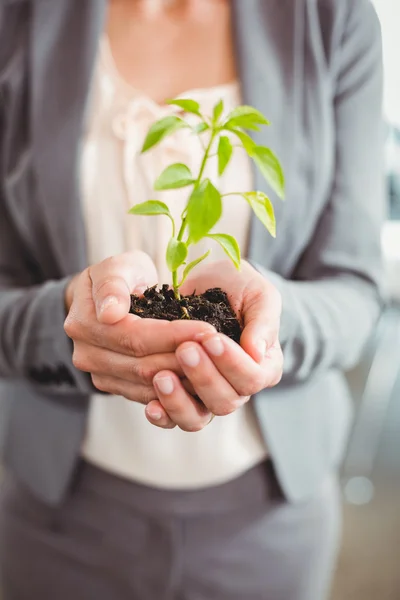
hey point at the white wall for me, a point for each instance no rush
(389, 14)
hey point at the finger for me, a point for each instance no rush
(113, 281)
(273, 365)
(141, 371)
(188, 386)
(212, 388)
(139, 337)
(181, 407)
(261, 312)
(143, 394)
(242, 372)
(157, 415)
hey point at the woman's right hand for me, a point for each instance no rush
(122, 352)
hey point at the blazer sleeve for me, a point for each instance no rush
(331, 304)
(33, 344)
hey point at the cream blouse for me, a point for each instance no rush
(115, 176)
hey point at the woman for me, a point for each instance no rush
(104, 498)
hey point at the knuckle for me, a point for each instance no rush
(147, 374)
(147, 395)
(225, 408)
(193, 427)
(100, 383)
(106, 286)
(124, 341)
(206, 380)
(111, 262)
(108, 265)
(80, 361)
(173, 331)
(142, 371)
(107, 276)
(71, 327)
(132, 344)
(277, 368)
(253, 386)
(138, 347)
(276, 377)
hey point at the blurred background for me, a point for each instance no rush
(369, 566)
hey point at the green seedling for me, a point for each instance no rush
(203, 209)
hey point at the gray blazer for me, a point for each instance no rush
(314, 68)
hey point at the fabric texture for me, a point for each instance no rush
(315, 69)
(114, 177)
(115, 539)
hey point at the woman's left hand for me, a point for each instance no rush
(221, 373)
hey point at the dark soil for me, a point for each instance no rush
(212, 307)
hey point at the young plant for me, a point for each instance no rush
(204, 206)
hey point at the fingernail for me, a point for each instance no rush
(190, 356)
(165, 385)
(241, 402)
(107, 302)
(156, 415)
(214, 346)
(140, 290)
(199, 337)
(261, 346)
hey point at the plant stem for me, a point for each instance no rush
(198, 181)
(175, 283)
(182, 229)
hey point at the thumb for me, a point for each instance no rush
(115, 279)
(261, 314)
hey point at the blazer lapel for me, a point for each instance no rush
(64, 40)
(269, 35)
(64, 44)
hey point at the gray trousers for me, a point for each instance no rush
(116, 540)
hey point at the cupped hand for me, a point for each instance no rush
(122, 352)
(221, 373)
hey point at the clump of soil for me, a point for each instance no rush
(212, 307)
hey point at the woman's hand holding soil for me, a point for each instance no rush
(223, 374)
(164, 364)
(122, 352)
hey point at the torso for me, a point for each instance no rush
(125, 102)
(188, 46)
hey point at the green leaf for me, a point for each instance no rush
(173, 177)
(192, 265)
(201, 127)
(243, 122)
(149, 208)
(224, 153)
(152, 208)
(270, 168)
(263, 209)
(246, 117)
(161, 129)
(229, 245)
(190, 106)
(218, 110)
(204, 210)
(247, 142)
(176, 254)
